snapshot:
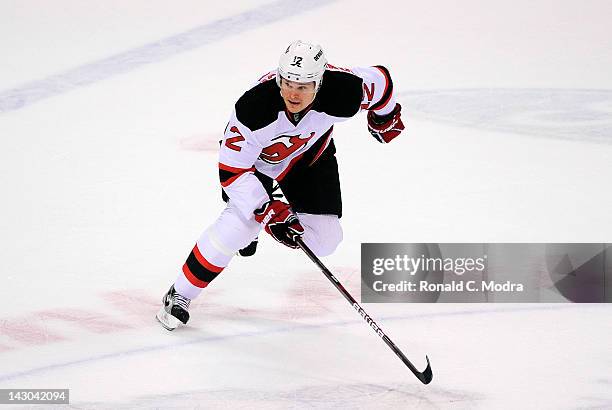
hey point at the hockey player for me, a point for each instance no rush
(281, 130)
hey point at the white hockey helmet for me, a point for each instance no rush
(302, 63)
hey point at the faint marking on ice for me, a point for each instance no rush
(280, 330)
(316, 396)
(28, 331)
(19, 97)
(566, 114)
(4, 348)
(40, 327)
(92, 321)
(201, 142)
(309, 296)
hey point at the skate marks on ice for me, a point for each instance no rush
(314, 396)
(567, 114)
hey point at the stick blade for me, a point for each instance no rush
(426, 375)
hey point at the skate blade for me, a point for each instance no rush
(168, 321)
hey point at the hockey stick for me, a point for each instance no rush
(426, 375)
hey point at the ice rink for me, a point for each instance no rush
(110, 113)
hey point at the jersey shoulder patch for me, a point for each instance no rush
(259, 106)
(340, 94)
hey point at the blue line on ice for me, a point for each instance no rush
(30, 93)
(382, 320)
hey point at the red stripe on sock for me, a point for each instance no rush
(204, 262)
(192, 279)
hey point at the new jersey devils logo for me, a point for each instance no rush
(281, 150)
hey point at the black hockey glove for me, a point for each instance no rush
(280, 222)
(386, 127)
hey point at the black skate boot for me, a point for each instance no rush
(174, 310)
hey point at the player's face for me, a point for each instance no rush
(297, 96)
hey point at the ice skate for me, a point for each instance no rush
(174, 310)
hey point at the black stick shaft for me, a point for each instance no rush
(426, 375)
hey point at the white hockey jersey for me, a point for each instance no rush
(262, 135)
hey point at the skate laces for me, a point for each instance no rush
(181, 301)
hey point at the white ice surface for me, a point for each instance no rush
(109, 116)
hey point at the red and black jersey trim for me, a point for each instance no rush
(384, 100)
(311, 156)
(326, 138)
(198, 271)
(228, 174)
